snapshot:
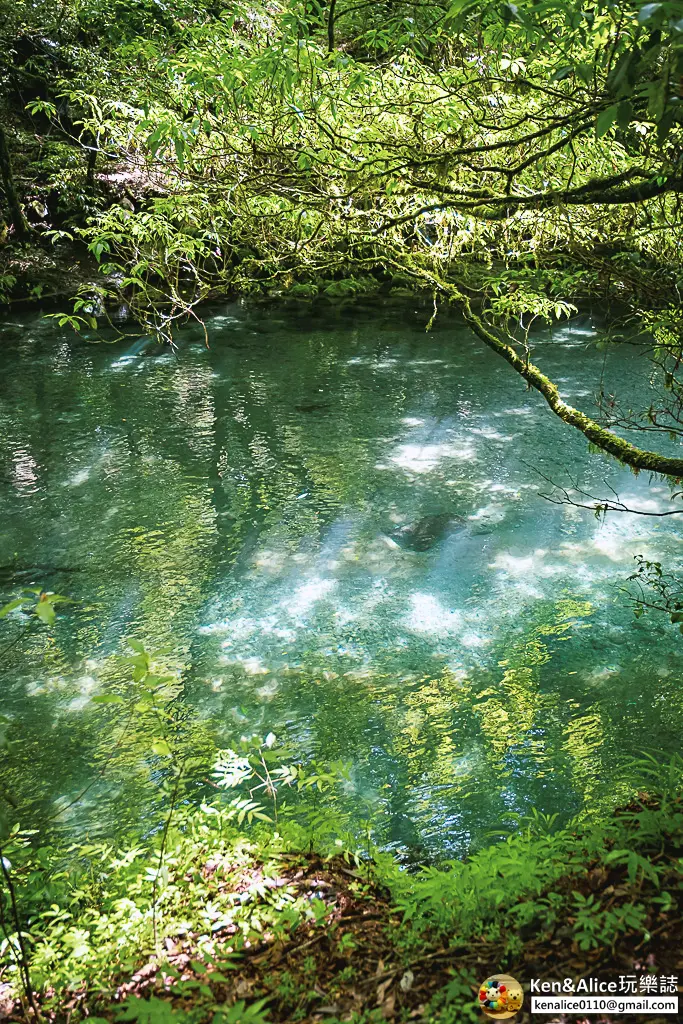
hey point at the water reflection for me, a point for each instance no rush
(334, 530)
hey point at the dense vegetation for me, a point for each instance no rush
(514, 157)
(254, 908)
(511, 159)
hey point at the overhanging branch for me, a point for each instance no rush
(624, 451)
(594, 193)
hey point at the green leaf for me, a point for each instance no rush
(605, 120)
(148, 1011)
(161, 747)
(45, 612)
(6, 609)
(624, 114)
(107, 699)
(458, 7)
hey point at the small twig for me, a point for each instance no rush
(601, 506)
(23, 959)
(162, 850)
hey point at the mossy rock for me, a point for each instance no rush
(304, 290)
(350, 286)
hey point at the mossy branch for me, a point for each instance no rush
(597, 192)
(629, 454)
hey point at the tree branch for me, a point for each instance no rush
(624, 451)
(593, 193)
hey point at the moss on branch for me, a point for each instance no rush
(601, 437)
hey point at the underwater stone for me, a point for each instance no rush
(426, 532)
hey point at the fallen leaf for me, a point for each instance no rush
(388, 1006)
(406, 982)
(382, 989)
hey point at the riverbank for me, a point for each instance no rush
(236, 922)
(98, 232)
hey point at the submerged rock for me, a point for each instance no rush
(426, 532)
(311, 407)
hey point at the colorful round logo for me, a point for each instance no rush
(501, 996)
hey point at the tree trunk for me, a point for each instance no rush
(19, 222)
(330, 26)
(91, 147)
(90, 171)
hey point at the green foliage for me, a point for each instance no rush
(521, 883)
(520, 154)
(34, 601)
(594, 927)
(258, 768)
(95, 914)
(240, 1013)
(148, 1011)
(308, 149)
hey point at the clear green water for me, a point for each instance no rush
(332, 520)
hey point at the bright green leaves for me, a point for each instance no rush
(513, 65)
(241, 1013)
(149, 1011)
(594, 926)
(76, 323)
(634, 57)
(11, 605)
(150, 697)
(167, 137)
(256, 133)
(460, 7)
(247, 810)
(34, 601)
(45, 107)
(261, 767)
(161, 747)
(605, 120)
(45, 610)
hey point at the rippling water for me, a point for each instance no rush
(333, 524)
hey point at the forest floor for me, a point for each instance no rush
(354, 969)
(359, 960)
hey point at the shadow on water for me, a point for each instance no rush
(333, 525)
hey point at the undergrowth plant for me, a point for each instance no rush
(211, 871)
(92, 915)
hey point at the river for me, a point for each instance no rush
(332, 525)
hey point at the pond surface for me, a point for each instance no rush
(333, 524)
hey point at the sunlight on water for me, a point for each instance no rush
(334, 526)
